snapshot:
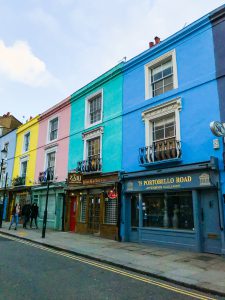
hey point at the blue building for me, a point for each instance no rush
(8, 143)
(173, 179)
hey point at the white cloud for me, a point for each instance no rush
(18, 63)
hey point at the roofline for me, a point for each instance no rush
(55, 108)
(113, 72)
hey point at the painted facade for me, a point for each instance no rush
(53, 144)
(7, 141)
(95, 154)
(23, 177)
(170, 95)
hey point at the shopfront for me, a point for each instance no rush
(178, 208)
(92, 204)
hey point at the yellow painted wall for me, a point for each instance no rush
(31, 126)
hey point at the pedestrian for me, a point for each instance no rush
(34, 214)
(15, 216)
(26, 211)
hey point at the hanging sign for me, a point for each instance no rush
(217, 128)
(112, 194)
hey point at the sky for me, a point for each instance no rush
(49, 49)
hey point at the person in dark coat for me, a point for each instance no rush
(34, 214)
(26, 211)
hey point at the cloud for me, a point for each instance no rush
(18, 63)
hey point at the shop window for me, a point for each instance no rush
(169, 210)
(111, 208)
(83, 206)
(134, 211)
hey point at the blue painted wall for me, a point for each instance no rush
(197, 88)
(11, 139)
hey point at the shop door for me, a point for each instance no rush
(73, 208)
(211, 234)
(58, 211)
(94, 213)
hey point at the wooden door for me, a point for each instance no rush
(94, 213)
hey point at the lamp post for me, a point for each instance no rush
(3, 157)
(48, 180)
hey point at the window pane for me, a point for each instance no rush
(93, 147)
(171, 210)
(53, 129)
(95, 109)
(83, 205)
(111, 207)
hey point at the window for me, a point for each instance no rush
(6, 147)
(23, 169)
(50, 163)
(53, 129)
(111, 208)
(168, 210)
(162, 131)
(161, 75)
(94, 109)
(26, 142)
(83, 206)
(93, 147)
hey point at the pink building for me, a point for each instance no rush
(52, 154)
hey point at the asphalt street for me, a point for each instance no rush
(30, 271)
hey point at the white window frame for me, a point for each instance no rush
(49, 133)
(98, 132)
(149, 66)
(22, 160)
(160, 111)
(25, 134)
(48, 151)
(87, 109)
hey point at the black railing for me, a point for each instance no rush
(47, 175)
(161, 150)
(92, 164)
(19, 180)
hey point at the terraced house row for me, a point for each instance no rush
(130, 156)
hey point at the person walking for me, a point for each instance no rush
(15, 216)
(34, 214)
(26, 211)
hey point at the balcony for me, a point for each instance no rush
(47, 175)
(91, 165)
(19, 180)
(160, 151)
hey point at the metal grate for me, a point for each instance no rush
(111, 211)
(83, 205)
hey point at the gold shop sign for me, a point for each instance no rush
(180, 181)
(75, 178)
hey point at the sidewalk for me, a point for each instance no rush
(205, 272)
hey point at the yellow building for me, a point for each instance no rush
(25, 161)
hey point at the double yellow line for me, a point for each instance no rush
(112, 269)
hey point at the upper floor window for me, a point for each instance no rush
(162, 127)
(93, 148)
(50, 163)
(6, 148)
(161, 75)
(26, 142)
(23, 170)
(94, 109)
(53, 129)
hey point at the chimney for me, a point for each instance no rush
(8, 114)
(30, 118)
(151, 44)
(157, 40)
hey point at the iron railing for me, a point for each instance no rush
(19, 180)
(92, 164)
(159, 151)
(47, 175)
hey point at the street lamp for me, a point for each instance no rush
(49, 177)
(3, 157)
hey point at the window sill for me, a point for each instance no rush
(88, 125)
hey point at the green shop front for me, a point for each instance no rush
(175, 207)
(55, 207)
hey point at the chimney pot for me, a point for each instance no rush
(151, 44)
(157, 40)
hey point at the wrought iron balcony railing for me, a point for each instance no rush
(92, 164)
(47, 175)
(19, 180)
(159, 151)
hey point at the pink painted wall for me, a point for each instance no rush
(62, 111)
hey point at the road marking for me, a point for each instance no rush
(111, 269)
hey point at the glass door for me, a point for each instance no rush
(94, 213)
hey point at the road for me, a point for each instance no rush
(31, 271)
